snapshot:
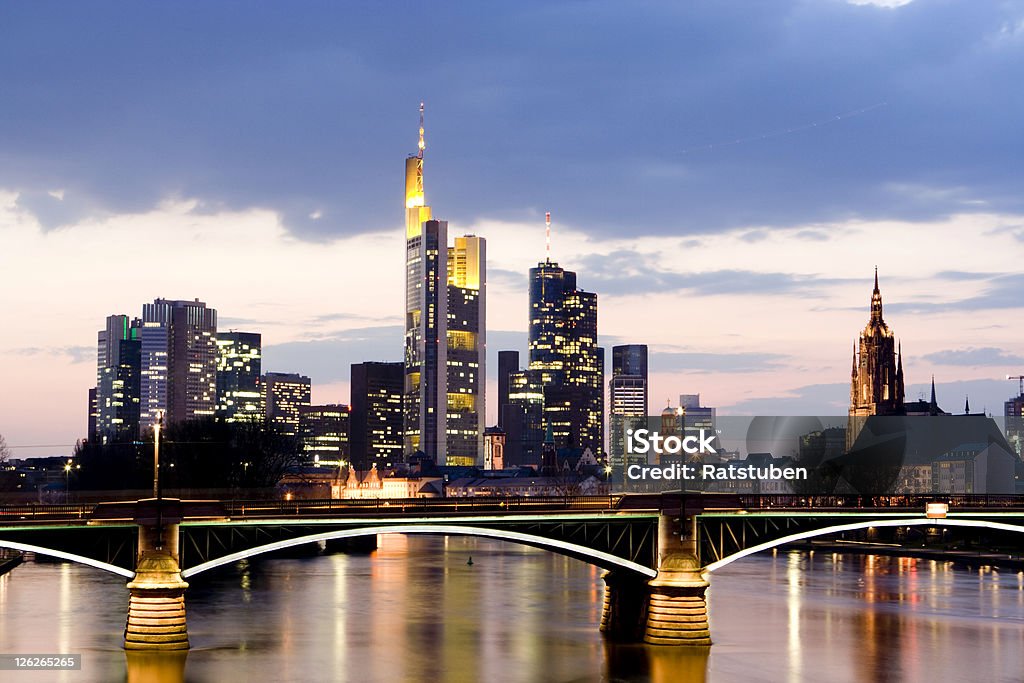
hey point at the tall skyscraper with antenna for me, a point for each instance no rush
(445, 338)
(562, 389)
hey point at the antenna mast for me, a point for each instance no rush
(422, 144)
(547, 234)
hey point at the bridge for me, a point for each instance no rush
(658, 549)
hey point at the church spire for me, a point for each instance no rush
(967, 405)
(876, 301)
(933, 406)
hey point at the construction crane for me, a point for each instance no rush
(1020, 380)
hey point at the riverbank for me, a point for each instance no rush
(971, 558)
(7, 563)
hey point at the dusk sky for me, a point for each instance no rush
(725, 175)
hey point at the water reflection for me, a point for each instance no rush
(416, 610)
(637, 662)
(155, 667)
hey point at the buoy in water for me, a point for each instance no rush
(470, 561)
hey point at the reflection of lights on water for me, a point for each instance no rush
(793, 577)
(340, 610)
(245, 581)
(64, 640)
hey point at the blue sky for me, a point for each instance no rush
(747, 162)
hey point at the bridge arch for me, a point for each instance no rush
(825, 531)
(597, 557)
(71, 557)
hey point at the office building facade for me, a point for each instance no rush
(376, 417)
(325, 434)
(239, 366)
(284, 396)
(118, 380)
(179, 361)
(628, 396)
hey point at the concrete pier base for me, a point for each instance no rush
(677, 612)
(625, 604)
(156, 608)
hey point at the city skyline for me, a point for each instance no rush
(746, 286)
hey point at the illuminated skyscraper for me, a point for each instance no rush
(325, 434)
(179, 360)
(697, 417)
(284, 395)
(466, 352)
(628, 393)
(445, 321)
(118, 380)
(239, 359)
(565, 358)
(524, 418)
(426, 315)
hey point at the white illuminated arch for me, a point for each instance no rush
(451, 530)
(28, 548)
(982, 523)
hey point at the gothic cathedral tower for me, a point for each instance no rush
(876, 382)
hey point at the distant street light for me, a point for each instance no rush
(67, 479)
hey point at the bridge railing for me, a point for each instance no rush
(45, 511)
(894, 502)
(263, 508)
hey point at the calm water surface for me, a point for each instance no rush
(414, 610)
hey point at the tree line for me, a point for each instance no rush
(205, 452)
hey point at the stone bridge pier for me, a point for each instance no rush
(671, 608)
(156, 606)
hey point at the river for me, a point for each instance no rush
(417, 610)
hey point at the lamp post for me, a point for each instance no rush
(156, 452)
(67, 481)
(681, 412)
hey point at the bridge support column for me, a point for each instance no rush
(156, 608)
(625, 604)
(677, 612)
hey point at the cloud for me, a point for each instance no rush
(833, 398)
(970, 356)
(281, 111)
(354, 317)
(889, 4)
(683, 361)
(1000, 292)
(626, 272)
(328, 360)
(56, 209)
(812, 399)
(77, 354)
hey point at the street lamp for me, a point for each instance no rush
(67, 480)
